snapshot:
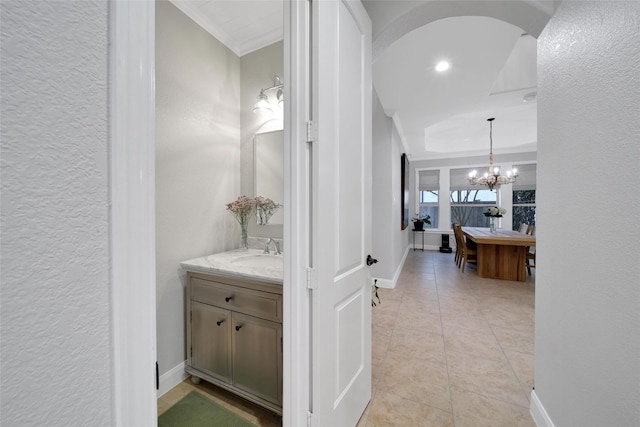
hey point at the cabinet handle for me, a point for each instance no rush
(227, 299)
(219, 322)
(238, 327)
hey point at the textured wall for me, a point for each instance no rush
(197, 162)
(587, 293)
(56, 359)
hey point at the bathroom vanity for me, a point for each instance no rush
(234, 323)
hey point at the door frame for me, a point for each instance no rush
(131, 65)
(132, 210)
(296, 299)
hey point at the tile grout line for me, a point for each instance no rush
(444, 348)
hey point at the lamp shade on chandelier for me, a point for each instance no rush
(492, 177)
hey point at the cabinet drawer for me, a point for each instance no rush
(236, 298)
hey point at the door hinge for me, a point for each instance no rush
(312, 283)
(311, 131)
(309, 419)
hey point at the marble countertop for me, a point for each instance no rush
(248, 263)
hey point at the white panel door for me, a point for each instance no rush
(341, 213)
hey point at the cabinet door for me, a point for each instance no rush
(257, 356)
(211, 340)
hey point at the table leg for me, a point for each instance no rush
(502, 262)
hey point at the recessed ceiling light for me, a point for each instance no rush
(442, 66)
(530, 97)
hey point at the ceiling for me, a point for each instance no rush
(438, 115)
(443, 114)
(241, 25)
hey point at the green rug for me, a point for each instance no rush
(195, 410)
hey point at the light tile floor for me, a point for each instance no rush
(449, 349)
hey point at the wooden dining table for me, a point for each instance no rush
(502, 254)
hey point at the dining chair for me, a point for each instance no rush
(530, 262)
(468, 254)
(523, 228)
(456, 259)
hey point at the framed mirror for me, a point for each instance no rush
(268, 170)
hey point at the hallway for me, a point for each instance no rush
(451, 348)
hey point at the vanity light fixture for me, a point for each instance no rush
(263, 105)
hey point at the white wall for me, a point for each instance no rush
(389, 241)
(587, 368)
(197, 162)
(55, 289)
(399, 237)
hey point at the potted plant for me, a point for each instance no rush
(419, 221)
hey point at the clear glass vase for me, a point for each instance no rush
(243, 229)
(493, 223)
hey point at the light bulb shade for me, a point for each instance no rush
(280, 97)
(262, 106)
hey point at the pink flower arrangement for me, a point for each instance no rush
(241, 209)
(265, 208)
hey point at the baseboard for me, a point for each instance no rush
(418, 248)
(172, 378)
(391, 283)
(539, 414)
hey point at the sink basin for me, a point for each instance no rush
(259, 260)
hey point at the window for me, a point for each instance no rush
(524, 197)
(429, 206)
(468, 206)
(524, 207)
(469, 202)
(428, 195)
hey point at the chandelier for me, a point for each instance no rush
(492, 177)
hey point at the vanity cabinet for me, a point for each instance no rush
(234, 336)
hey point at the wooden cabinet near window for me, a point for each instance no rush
(234, 336)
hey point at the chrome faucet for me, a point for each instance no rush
(276, 244)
